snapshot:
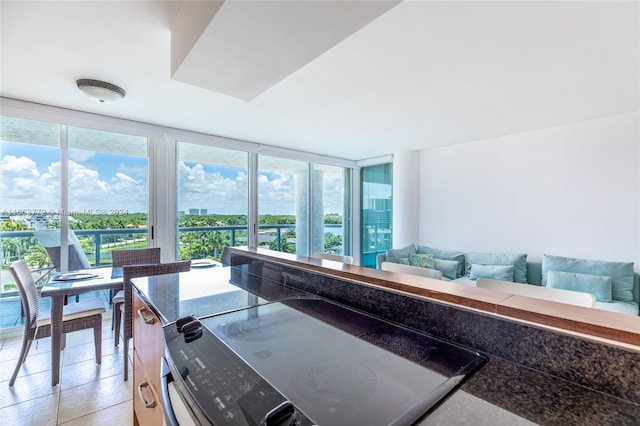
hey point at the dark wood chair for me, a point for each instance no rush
(134, 271)
(120, 258)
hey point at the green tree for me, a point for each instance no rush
(12, 225)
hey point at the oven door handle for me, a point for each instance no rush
(165, 379)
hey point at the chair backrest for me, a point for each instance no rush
(336, 257)
(28, 291)
(50, 239)
(413, 270)
(571, 297)
(135, 256)
(133, 271)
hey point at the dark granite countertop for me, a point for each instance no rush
(503, 392)
(205, 291)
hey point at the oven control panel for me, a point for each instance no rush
(223, 388)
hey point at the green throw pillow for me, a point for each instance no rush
(394, 255)
(452, 255)
(422, 261)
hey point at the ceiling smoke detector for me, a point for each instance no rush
(101, 91)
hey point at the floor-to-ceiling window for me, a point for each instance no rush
(283, 205)
(108, 189)
(212, 200)
(330, 200)
(30, 191)
(90, 185)
(376, 210)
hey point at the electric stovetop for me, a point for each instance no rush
(334, 364)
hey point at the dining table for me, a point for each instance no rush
(59, 286)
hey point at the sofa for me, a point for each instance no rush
(615, 285)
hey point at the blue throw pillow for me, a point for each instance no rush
(598, 285)
(394, 255)
(449, 268)
(493, 272)
(517, 260)
(621, 273)
(454, 255)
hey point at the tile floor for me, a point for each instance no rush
(88, 393)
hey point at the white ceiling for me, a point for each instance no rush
(423, 74)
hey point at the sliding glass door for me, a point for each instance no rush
(90, 186)
(376, 211)
(108, 188)
(212, 200)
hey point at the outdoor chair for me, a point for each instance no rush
(134, 271)
(37, 323)
(120, 258)
(50, 240)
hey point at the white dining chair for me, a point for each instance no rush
(412, 270)
(335, 257)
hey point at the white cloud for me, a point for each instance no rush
(202, 189)
(18, 165)
(80, 155)
(25, 188)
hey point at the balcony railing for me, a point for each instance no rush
(104, 240)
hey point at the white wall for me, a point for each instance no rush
(406, 208)
(571, 190)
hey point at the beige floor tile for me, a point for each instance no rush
(11, 351)
(27, 388)
(104, 393)
(121, 414)
(36, 362)
(36, 412)
(14, 339)
(85, 372)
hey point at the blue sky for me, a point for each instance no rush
(31, 173)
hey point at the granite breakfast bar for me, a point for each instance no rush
(549, 363)
(536, 373)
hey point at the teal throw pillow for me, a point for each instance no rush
(493, 272)
(598, 285)
(449, 268)
(454, 255)
(422, 261)
(517, 260)
(621, 273)
(394, 255)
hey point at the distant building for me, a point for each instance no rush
(194, 211)
(203, 211)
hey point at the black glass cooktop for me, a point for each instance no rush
(340, 366)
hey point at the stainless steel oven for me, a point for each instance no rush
(307, 361)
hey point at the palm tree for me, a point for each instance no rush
(10, 249)
(38, 256)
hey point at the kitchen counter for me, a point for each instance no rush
(505, 391)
